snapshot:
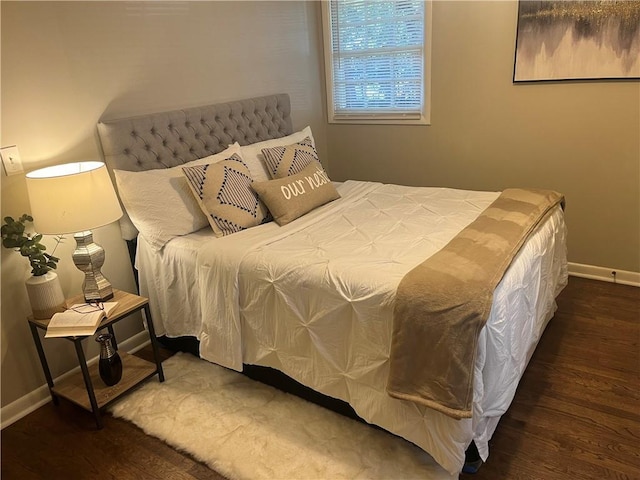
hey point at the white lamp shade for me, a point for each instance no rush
(71, 198)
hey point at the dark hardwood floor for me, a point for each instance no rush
(576, 414)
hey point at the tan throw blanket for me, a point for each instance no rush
(442, 304)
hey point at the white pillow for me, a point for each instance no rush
(253, 157)
(160, 203)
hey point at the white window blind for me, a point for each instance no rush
(377, 58)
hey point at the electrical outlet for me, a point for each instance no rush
(11, 160)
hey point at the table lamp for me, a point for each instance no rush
(76, 198)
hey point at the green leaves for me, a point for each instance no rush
(14, 236)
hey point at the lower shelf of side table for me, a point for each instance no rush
(134, 371)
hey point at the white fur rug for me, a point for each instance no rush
(246, 430)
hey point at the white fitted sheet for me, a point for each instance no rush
(329, 280)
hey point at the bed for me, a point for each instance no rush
(315, 297)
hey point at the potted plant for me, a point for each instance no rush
(43, 287)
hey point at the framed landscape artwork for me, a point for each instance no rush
(577, 40)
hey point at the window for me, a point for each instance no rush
(377, 59)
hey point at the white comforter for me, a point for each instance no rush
(329, 279)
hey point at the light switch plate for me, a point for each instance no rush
(11, 160)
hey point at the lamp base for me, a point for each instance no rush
(89, 258)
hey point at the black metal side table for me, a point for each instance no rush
(86, 388)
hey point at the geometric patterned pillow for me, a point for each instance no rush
(224, 193)
(291, 159)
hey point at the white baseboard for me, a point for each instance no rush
(40, 396)
(605, 274)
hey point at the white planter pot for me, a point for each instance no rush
(45, 295)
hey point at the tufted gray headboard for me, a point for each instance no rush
(169, 139)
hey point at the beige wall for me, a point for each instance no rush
(64, 65)
(580, 138)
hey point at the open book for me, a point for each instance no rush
(79, 320)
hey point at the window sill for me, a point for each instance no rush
(380, 121)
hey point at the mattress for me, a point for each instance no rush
(314, 299)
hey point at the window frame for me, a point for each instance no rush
(423, 118)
